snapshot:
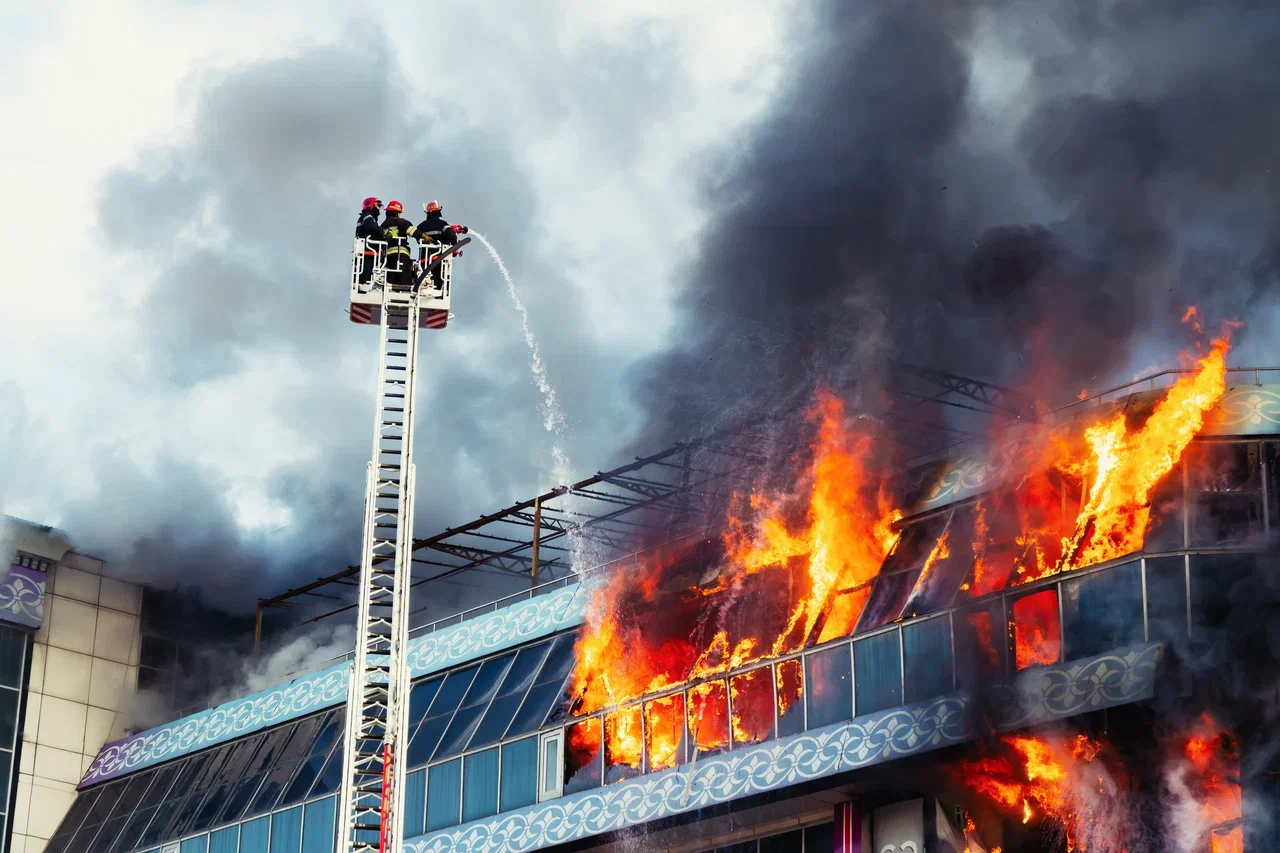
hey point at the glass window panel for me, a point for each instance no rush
(1166, 598)
(535, 708)
(215, 801)
(8, 716)
(135, 833)
(1272, 458)
(843, 614)
(1102, 611)
(254, 835)
(744, 847)
(6, 767)
(623, 744)
(877, 661)
(790, 697)
(124, 807)
(559, 660)
(820, 837)
(790, 842)
(1223, 466)
(469, 713)
(519, 774)
(1225, 518)
(708, 705)
(415, 803)
(199, 844)
(1165, 530)
(420, 697)
(451, 693)
(1220, 583)
(97, 814)
(225, 840)
(888, 597)
(13, 653)
(926, 648)
(480, 785)
(444, 795)
(310, 768)
(945, 567)
(981, 644)
(241, 794)
(331, 779)
(1226, 481)
(319, 829)
(509, 697)
(582, 756)
(1037, 634)
(664, 740)
(916, 543)
(286, 831)
(829, 686)
(752, 703)
(286, 763)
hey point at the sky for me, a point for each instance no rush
(183, 391)
(706, 207)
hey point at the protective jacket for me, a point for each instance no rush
(367, 226)
(398, 231)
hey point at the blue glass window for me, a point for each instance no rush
(286, 831)
(519, 774)
(437, 720)
(254, 835)
(480, 785)
(828, 687)
(877, 662)
(444, 795)
(888, 598)
(241, 794)
(415, 803)
(97, 814)
(137, 829)
(981, 644)
(1167, 598)
(927, 649)
(547, 693)
(421, 695)
(1102, 611)
(945, 567)
(232, 770)
(319, 831)
(790, 678)
(133, 792)
(468, 716)
(13, 656)
(199, 844)
(225, 840)
(75, 816)
(311, 766)
(512, 692)
(286, 763)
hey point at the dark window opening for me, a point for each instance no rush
(1037, 632)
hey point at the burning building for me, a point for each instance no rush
(1056, 643)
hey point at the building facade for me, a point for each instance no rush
(827, 748)
(68, 668)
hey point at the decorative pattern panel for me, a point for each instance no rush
(1247, 410)
(493, 632)
(22, 597)
(1039, 694)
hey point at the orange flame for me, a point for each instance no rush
(664, 731)
(1043, 777)
(1215, 780)
(1126, 466)
(622, 738)
(752, 694)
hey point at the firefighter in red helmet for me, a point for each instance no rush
(368, 228)
(398, 231)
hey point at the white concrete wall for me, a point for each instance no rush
(84, 668)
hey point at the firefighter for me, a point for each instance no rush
(398, 231)
(434, 229)
(368, 228)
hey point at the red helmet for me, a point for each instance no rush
(371, 203)
(395, 207)
(433, 206)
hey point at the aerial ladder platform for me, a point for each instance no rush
(400, 302)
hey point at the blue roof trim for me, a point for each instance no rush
(1037, 695)
(494, 632)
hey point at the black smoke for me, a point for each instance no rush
(997, 189)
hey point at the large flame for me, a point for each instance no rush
(1210, 773)
(832, 551)
(1062, 781)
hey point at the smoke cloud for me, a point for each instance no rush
(999, 190)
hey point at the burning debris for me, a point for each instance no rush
(1203, 779)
